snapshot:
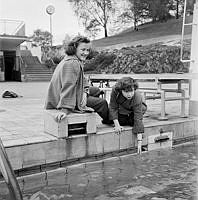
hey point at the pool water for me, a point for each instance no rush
(160, 174)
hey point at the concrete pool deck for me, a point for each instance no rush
(27, 145)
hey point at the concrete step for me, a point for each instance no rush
(38, 69)
(29, 60)
(39, 72)
(38, 79)
(38, 75)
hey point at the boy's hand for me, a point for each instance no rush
(118, 129)
(139, 141)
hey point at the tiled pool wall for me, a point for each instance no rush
(105, 141)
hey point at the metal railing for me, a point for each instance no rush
(184, 24)
(12, 27)
(8, 174)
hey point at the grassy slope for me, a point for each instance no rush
(147, 31)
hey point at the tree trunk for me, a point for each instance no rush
(177, 10)
(105, 31)
(135, 24)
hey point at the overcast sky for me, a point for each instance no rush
(33, 13)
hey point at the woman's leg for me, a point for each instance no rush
(95, 91)
(100, 106)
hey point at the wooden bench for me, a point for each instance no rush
(74, 123)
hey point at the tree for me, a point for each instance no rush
(158, 9)
(190, 6)
(94, 14)
(177, 7)
(136, 12)
(177, 2)
(42, 39)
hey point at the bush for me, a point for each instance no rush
(155, 58)
(146, 59)
(100, 62)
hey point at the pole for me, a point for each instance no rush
(51, 28)
(50, 11)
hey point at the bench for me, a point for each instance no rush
(73, 123)
(161, 94)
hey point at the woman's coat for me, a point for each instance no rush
(67, 85)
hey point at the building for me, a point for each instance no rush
(12, 35)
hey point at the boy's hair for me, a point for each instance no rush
(126, 84)
(70, 49)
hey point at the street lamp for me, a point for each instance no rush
(50, 10)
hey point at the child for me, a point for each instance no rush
(127, 108)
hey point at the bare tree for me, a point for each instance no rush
(95, 14)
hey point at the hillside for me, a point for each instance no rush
(170, 28)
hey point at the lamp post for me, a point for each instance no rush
(50, 10)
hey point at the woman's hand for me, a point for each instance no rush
(61, 115)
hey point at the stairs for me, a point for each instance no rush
(35, 70)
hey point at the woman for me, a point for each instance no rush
(126, 106)
(68, 89)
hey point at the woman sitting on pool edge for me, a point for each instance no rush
(126, 107)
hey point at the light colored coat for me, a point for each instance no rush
(67, 85)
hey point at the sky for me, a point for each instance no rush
(33, 13)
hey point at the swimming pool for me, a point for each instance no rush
(166, 173)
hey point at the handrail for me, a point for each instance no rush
(182, 39)
(12, 27)
(8, 174)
